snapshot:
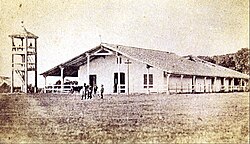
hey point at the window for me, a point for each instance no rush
(120, 60)
(151, 80)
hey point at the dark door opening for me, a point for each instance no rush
(122, 82)
(92, 80)
(212, 84)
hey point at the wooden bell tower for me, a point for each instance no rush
(24, 59)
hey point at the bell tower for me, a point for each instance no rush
(24, 59)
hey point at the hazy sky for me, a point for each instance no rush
(67, 28)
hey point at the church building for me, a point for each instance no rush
(127, 70)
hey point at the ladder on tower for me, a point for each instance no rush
(20, 74)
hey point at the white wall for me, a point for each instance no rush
(226, 85)
(218, 84)
(175, 81)
(175, 84)
(137, 70)
(105, 68)
(200, 84)
(208, 84)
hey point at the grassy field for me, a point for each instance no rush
(157, 118)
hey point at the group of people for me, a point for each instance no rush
(88, 91)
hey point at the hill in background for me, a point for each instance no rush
(238, 61)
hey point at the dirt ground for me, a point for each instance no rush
(156, 118)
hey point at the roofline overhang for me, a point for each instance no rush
(84, 55)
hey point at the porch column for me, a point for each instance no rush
(36, 88)
(232, 85)
(88, 60)
(168, 76)
(181, 83)
(62, 78)
(241, 84)
(12, 69)
(245, 85)
(205, 84)
(224, 84)
(194, 84)
(45, 83)
(12, 78)
(118, 74)
(148, 79)
(215, 84)
(128, 63)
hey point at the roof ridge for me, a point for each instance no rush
(152, 49)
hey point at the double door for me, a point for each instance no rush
(122, 83)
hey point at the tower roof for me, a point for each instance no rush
(23, 33)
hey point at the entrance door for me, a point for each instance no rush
(92, 80)
(122, 82)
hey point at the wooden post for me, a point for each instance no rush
(128, 77)
(168, 76)
(12, 80)
(35, 89)
(194, 84)
(224, 84)
(176, 87)
(245, 85)
(62, 78)
(147, 66)
(241, 84)
(45, 83)
(26, 67)
(12, 67)
(128, 63)
(205, 84)
(118, 74)
(12, 74)
(215, 84)
(232, 85)
(181, 83)
(88, 61)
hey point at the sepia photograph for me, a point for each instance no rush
(124, 71)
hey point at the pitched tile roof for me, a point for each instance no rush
(173, 63)
(166, 61)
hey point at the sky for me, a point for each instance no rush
(67, 28)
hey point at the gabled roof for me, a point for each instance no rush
(71, 66)
(166, 61)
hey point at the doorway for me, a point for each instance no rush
(122, 82)
(92, 80)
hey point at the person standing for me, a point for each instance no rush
(102, 91)
(82, 93)
(85, 90)
(90, 90)
(95, 89)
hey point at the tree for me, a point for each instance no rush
(238, 61)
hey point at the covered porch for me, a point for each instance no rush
(181, 83)
(72, 68)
